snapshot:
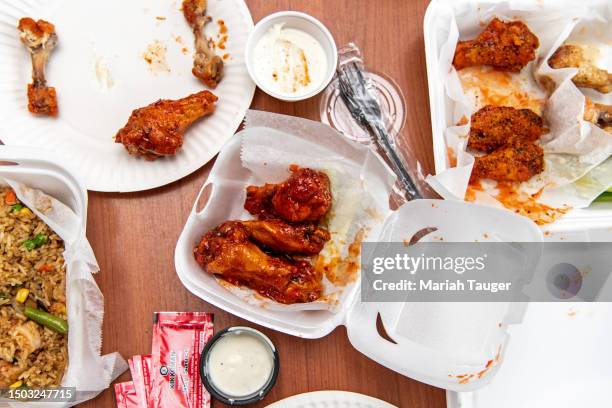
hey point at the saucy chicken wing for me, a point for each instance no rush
(304, 197)
(207, 66)
(588, 76)
(506, 46)
(227, 252)
(495, 126)
(157, 130)
(40, 38)
(518, 162)
(277, 235)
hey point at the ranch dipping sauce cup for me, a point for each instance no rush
(291, 56)
(239, 366)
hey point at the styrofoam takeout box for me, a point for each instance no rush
(413, 355)
(559, 355)
(40, 170)
(435, 28)
(37, 169)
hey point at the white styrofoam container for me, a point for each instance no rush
(38, 169)
(415, 358)
(559, 356)
(435, 29)
(557, 347)
(41, 169)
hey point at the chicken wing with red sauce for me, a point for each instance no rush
(493, 127)
(40, 38)
(304, 197)
(277, 235)
(506, 46)
(227, 252)
(518, 162)
(157, 130)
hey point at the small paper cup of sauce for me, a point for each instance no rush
(239, 366)
(291, 56)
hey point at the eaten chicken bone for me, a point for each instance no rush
(157, 130)
(588, 76)
(40, 38)
(506, 46)
(207, 66)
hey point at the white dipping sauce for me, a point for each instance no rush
(289, 61)
(240, 364)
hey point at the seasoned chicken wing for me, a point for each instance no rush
(157, 130)
(304, 197)
(495, 126)
(518, 162)
(598, 114)
(277, 235)
(227, 252)
(40, 38)
(506, 46)
(207, 66)
(588, 76)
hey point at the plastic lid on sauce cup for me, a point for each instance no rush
(217, 392)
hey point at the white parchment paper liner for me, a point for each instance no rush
(574, 147)
(361, 185)
(87, 370)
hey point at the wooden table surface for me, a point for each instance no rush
(134, 235)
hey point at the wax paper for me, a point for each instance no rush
(576, 151)
(88, 370)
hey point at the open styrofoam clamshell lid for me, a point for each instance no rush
(452, 345)
(436, 343)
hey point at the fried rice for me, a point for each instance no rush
(31, 354)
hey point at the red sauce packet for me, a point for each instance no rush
(140, 367)
(178, 341)
(125, 395)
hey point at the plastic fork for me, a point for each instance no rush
(359, 97)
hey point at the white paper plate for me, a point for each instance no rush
(331, 399)
(115, 34)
